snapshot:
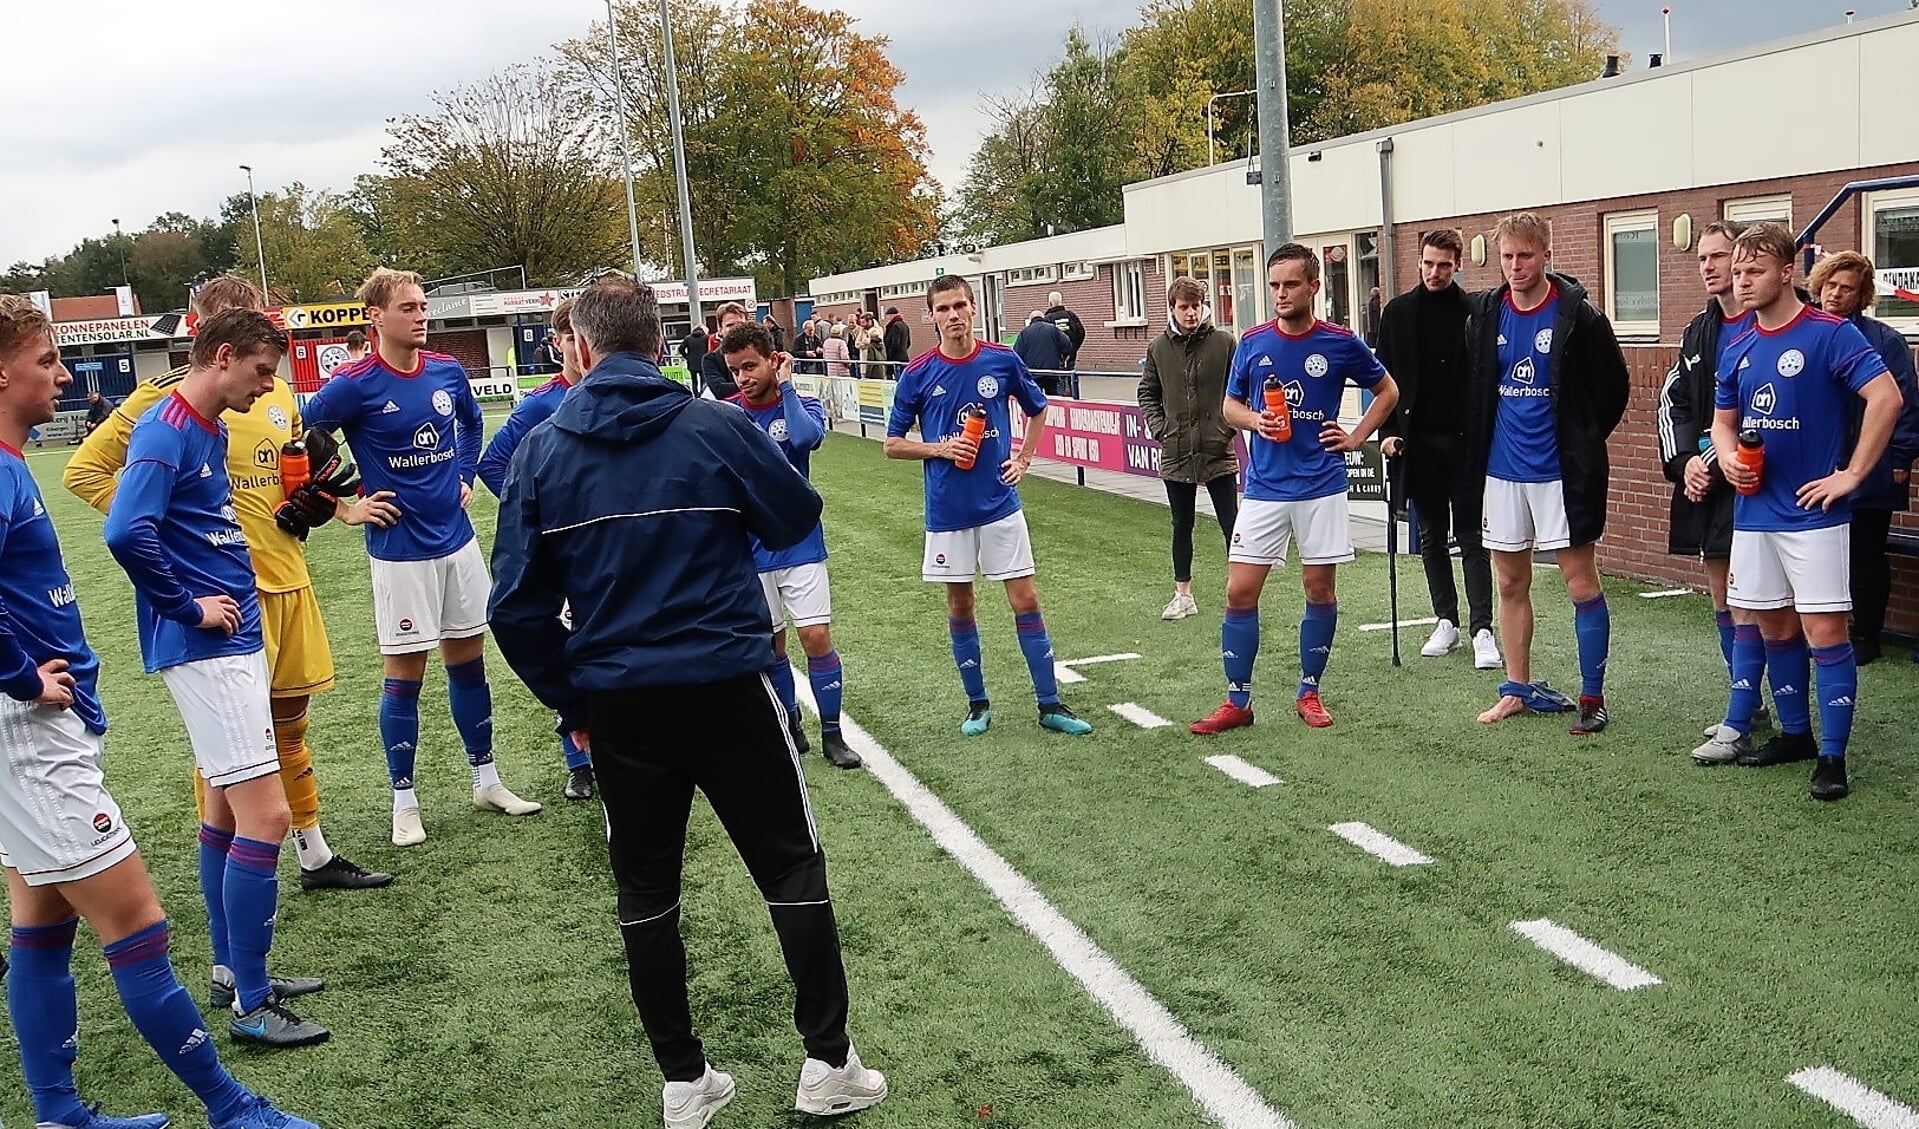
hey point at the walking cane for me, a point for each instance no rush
(1392, 548)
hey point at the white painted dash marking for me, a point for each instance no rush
(1139, 715)
(1066, 675)
(1249, 774)
(1584, 955)
(1379, 844)
(1128, 656)
(1387, 626)
(1854, 1098)
(1663, 593)
(1218, 1089)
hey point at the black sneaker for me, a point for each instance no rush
(1783, 748)
(833, 747)
(342, 873)
(1592, 716)
(272, 1025)
(1829, 779)
(283, 988)
(798, 732)
(579, 783)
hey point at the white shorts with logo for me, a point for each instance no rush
(1807, 569)
(800, 592)
(418, 603)
(1323, 528)
(1000, 551)
(1525, 515)
(57, 821)
(227, 703)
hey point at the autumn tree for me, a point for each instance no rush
(314, 249)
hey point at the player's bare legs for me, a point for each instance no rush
(1513, 571)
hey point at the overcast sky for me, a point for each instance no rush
(131, 108)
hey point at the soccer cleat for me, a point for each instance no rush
(1227, 716)
(1761, 719)
(1592, 716)
(1060, 719)
(691, 1105)
(260, 1113)
(272, 1025)
(283, 988)
(798, 732)
(408, 831)
(1784, 748)
(1724, 745)
(979, 718)
(1180, 607)
(342, 873)
(579, 783)
(1486, 651)
(94, 1119)
(1310, 708)
(833, 748)
(495, 797)
(1442, 642)
(829, 1091)
(1829, 779)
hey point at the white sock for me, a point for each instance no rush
(404, 798)
(485, 776)
(310, 844)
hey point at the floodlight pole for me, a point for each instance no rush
(1275, 137)
(679, 171)
(626, 144)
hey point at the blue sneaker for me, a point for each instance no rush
(260, 1114)
(1058, 718)
(979, 718)
(94, 1119)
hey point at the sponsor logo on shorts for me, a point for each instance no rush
(939, 558)
(102, 822)
(1236, 538)
(406, 626)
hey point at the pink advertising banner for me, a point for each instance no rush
(1101, 436)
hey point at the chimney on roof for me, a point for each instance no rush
(1612, 67)
(1655, 60)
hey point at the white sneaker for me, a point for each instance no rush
(1180, 608)
(1443, 641)
(1486, 651)
(408, 831)
(829, 1092)
(690, 1105)
(495, 797)
(1724, 746)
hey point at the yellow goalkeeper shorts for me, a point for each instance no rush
(299, 656)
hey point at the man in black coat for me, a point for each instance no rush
(899, 342)
(1069, 324)
(1044, 346)
(1546, 385)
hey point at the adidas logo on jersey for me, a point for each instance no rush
(1265, 362)
(938, 390)
(38, 509)
(1502, 341)
(390, 408)
(206, 471)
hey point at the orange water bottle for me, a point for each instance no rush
(1276, 403)
(1751, 455)
(975, 429)
(295, 471)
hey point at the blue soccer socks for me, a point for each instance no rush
(471, 700)
(1748, 667)
(1838, 692)
(400, 730)
(214, 845)
(46, 1018)
(1316, 630)
(1238, 648)
(166, 1017)
(827, 678)
(253, 897)
(1037, 647)
(1592, 627)
(1789, 669)
(966, 656)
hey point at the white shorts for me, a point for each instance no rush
(1807, 569)
(418, 603)
(57, 822)
(1525, 515)
(1000, 551)
(1322, 526)
(801, 592)
(227, 703)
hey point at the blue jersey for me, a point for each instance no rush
(798, 425)
(1314, 368)
(416, 434)
(1525, 437)
(937, 391)
(534, 409)
(39, 615)
(1794, 386)
(173, 528)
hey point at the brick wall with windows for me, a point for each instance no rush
(1115, 349)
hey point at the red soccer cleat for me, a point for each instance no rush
(1313, 710)
(1227, 716)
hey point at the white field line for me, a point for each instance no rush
(1854, 1098)
(1220, 1091)
(1066, 675)
(1101, 659)
(1424, 622)
(1662, 594)
(1139, 715)
(1379, 844)
(1250, 774)
(1582, 954)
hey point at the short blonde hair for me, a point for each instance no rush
(1767, 239)
(226, 292)
(1528, 226)
(380, 287)
(731, 308)
(21, 321)
(1823, 271)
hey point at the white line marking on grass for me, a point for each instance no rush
(1066, 675)
(1221, 1092)
(1425, 622)
(1660, 595)
(1854, 1098)
(1101, 659)
(1379, 844)
(1139, 715)
(1245, 773)
(1584, 955)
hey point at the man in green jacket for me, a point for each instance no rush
(1182, 394)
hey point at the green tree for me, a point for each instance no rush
(314, 249)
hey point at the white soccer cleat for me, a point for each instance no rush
(1486, 651)
(1180, 608)
(1723, 746)
(1442, 642)
(408, 831)
(690, 1105)
(826, 1091)
(495, 797)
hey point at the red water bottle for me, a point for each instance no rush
(1276, 403)
(975, 429)
(1751, 455)
(295, 471)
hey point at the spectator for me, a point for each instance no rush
(1373, 310)
(806, 348)
(694, 348)
(356, 346)
(1044, 347)
(876, 366)
(1069, 324)
(835, 351)
(899, 340)
(777, 332)
(716, 380)
(856, 343)
(98, 409)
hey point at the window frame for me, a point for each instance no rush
(1129, 309)
(1616, 223)
(1078, 271)
(1032, 276)
(1759, 209)
(1869, 207)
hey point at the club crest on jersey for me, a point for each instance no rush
(777, 430)
(1791, 363)
(1543, 340)
(1523, 372)
(442, 402)
(427, 438)
(277, 416)
(1765, 400)
(1316, 367)
(988, 387)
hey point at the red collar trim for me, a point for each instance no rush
(952, 360)
(1805, 312)
(11, 449)
(194, 413)
(1279, 327)
(1552, 291)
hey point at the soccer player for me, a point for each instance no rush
(66, 848)
(174, 529)
(1296, 487)
(973, 517)
(793, 579)
(298, 652)
(535, 408)
(1789, 377)
(1546, 384)
(411, 418)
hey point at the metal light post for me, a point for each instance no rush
(679, 171)
(119, 241)
(1275, 138)
(626, 144)
(1210, 159)
(259, 242)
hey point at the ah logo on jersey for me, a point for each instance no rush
(1765, 400)
(1295, 394)
(777, 430)
(227, 511)
(1543, 340)
(427, 438)
(266, 456)
(442, 402)
(988, 387)
(1316, 366)
(1791, 363)
(277, 416)
(1523, 372)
